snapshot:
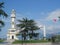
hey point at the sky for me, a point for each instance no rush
(42, 11)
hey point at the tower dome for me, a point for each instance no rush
(13, 14)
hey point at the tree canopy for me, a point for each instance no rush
(2, 13)
(27, 26)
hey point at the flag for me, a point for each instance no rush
(55, 20)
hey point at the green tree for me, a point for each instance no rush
(2, 13)
(33, 27)
(27, 25)
(23, 25)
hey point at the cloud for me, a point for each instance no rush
(53, 29)
(53, 15)
(50, 27)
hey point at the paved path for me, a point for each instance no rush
(32, 44)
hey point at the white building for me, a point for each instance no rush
(12, 31)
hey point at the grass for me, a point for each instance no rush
(30, 41)
(1, 40)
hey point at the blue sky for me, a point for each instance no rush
(42, 11)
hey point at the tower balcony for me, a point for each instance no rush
(15, 31)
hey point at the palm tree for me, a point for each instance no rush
(28, 25)
(23, 24)
(1, 24)
(2, 13)
(33, 27)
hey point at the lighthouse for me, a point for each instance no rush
(11, 35)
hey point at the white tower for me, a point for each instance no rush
(44, 32)
(12, 31)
